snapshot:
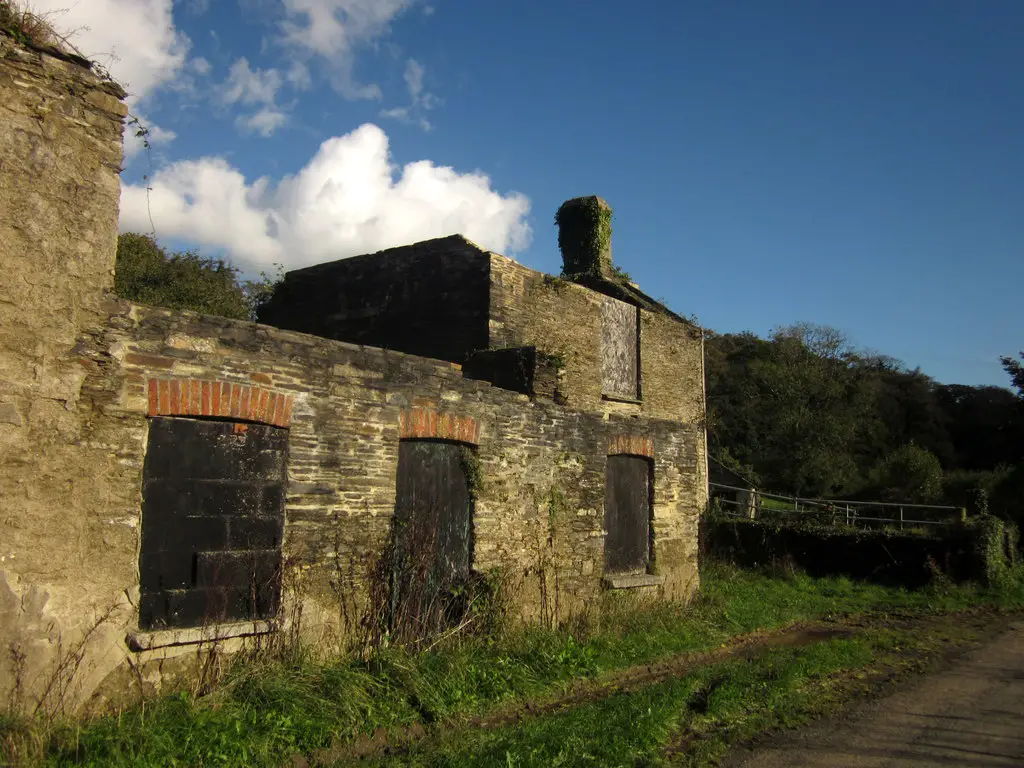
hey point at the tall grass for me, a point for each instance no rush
(27, 26)
(689, 720)
(265, 711)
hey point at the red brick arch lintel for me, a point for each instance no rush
(220, 399)
(429, 423)
(635, 445)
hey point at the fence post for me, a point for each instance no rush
(901, 518)
(747, 503)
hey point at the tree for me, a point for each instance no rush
(791, 407)
(823, 341)
(1015, 371)
(906, 410)
(984, 424)
(146, 273)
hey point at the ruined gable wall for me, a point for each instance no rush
(563, 319)
(529, 308)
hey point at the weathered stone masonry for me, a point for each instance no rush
(83, 377)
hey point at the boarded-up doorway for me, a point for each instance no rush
(620, 349)
(431, 547)
(212, 521)
(627, 514)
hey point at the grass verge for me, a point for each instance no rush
(693, 720)
(264, 712)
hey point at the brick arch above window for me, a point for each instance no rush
(426, 423)
(633, 445)
(219, 399)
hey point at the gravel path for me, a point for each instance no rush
(970, 714)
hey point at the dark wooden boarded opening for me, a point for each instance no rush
(212, 521)
(627, 514)
(432, 532)
(620, 355)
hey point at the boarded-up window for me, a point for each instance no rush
(620, 356)
(431, 535)
(627, 514)
(212, 519)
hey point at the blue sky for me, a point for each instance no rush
(856, 164)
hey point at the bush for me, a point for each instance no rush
(1006, 498)
(909, 474)
(974, 489)
(146, 273)
(979, 549)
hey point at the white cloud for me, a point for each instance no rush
(419, 100)
(247, 86)
(200, 65)
(299, 77)
(414, 78)
(334, 30)
(134, 40)
(250, 87)
(349, 199)
(264, 122)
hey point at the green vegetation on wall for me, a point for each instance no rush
(980, 549)
(26, 27)
(585, 235)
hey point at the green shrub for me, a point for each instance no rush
(993, 544)
(909, 474)
(145, 272)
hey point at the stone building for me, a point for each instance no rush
(170, 478)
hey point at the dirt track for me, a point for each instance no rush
(970, 714)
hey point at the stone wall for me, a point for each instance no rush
(60, 154)
(83, 374)
(538, 516)
(563, 319)
(349, 405)
(427, 299)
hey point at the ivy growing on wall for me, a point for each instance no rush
(471, 466)
(994, 542)
(584, 234)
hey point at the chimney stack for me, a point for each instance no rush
(585, 237)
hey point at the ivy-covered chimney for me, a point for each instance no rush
(585, 237)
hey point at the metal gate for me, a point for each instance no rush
(627, 514)
(431, 536)
(212, 520)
